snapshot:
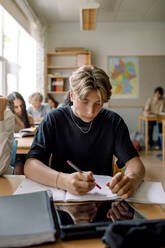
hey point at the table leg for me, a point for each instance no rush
(146, 137)
(163, 133)
(140, 125)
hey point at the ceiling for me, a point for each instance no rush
(53, 11)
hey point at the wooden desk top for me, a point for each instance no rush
(24, 144)
(148, 117)
(9, 183)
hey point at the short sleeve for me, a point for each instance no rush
(124, 149)
(147, 106)
(41, 148)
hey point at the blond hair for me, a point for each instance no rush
(88, 78)
(35, 97)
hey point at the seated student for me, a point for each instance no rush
(6, 136)
(89, 136)
(154, 105)
(17, 105)
(51, 101)
(38, 110)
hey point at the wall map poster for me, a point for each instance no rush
(124, 74)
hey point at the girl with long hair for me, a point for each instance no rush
(17, 105)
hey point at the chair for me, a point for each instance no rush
(13, 156)
(116, 169)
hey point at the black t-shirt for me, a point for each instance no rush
(59, 136)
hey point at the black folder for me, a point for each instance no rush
(27, 219)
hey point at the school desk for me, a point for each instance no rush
(24, 144)
(8, 184)
(146, 118)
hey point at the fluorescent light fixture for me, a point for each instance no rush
(88, 15)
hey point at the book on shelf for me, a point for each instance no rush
(148, 192)
(58, 74)
(57, 84)
(27, 219)
(30, 131)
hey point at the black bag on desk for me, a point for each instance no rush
(135, 234)
(27, 219)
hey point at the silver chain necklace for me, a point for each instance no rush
(80, 127)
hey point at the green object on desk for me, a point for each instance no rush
(26, 219)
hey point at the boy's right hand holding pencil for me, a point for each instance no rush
(77, 183)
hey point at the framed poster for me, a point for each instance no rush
(124, 75)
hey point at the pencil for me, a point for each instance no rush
(78, 170)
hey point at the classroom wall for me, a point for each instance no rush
(114, 39)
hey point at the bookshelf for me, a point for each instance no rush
(59, 67)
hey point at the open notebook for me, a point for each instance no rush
(30, 131)
(148, 192)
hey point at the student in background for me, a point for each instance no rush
(154, 105)
(51, 101)
(38, 110)
(6, 136)
(17, 105)
(89, 136)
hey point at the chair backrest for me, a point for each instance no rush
(116, 169)
(13, 156)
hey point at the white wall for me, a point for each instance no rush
(112, 39)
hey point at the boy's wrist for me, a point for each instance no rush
(135, 176)
(61, 180)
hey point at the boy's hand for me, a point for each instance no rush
(123, 185)
(77, 183)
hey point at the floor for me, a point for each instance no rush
(155, 171)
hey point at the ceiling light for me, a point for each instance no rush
(88, 15)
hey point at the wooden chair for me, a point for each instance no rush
(116, 169)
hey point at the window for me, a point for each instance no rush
(17, 63)
(10, 37)
(27, 62)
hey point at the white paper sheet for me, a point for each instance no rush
(148, 192)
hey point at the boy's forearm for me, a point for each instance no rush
(38, 171)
